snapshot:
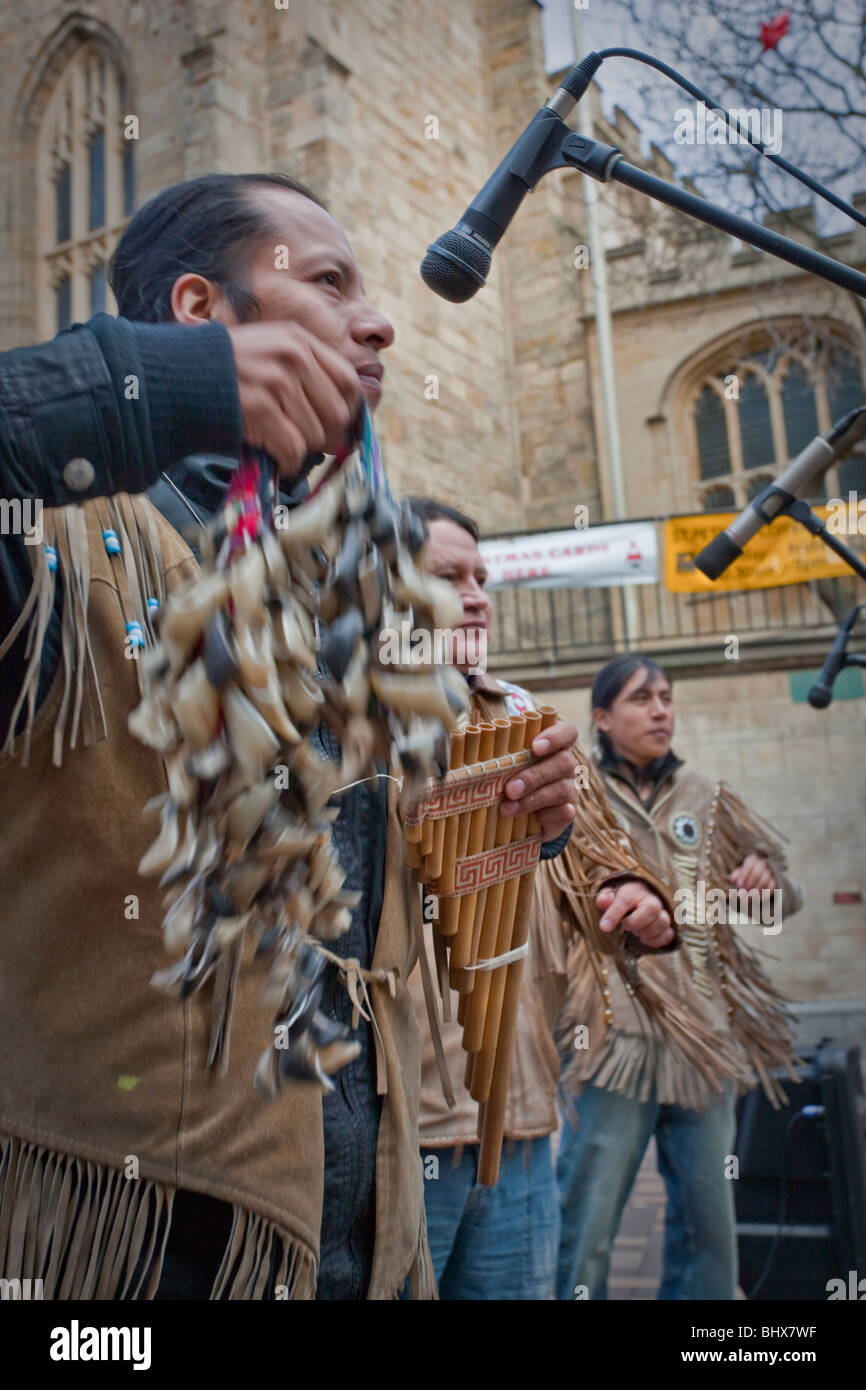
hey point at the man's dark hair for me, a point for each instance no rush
(206, 226)
(612, 677)
(430, 510)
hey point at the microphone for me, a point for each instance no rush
(817, 456)
(821, 693)
(457, 263)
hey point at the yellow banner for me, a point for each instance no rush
(782, 553)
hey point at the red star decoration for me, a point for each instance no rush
(776, 29)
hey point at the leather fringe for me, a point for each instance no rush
(632, 1063)
(81, 715)
(37, 611)
(759, 1017)
(672, 1050)
(422, 1280)
(598, 850)
(89, 1232)
(256, 1248)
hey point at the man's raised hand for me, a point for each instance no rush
(636, 908)
(297, 395)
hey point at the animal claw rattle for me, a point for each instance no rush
(279, 633)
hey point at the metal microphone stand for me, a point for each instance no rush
(556, 146)
(560, 147)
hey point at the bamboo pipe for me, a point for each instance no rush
(433, 869)
(449, 908)
(493, 1122)
(427, 839)
(449, 823)
(464, 980)
(473, 1031)
(482, 1071)
(461, 947)
(492, 1127)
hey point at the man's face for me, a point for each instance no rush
(640, 722)
(321, 289)
(452, 554)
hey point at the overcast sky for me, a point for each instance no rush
(597, 31)
(621, 79)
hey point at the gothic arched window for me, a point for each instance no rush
(759, 409)
(844, 393)
(86, 182)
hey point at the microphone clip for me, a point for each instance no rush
(590, 156)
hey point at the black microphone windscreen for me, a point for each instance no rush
(715, 557)
(455, 267)
(819, 696)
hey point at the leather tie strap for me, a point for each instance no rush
(356, 980)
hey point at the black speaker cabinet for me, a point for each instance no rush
(819, 1158)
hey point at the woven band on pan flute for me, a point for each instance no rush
(480, 866)
(470, 789)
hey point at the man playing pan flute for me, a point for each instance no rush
(500, 1242)
(129, 1166)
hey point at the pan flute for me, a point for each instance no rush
(479, 866)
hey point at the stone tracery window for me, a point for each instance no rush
(86, 188)
(757, 409)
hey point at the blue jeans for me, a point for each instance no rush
(597, 1165)
(493, 1242)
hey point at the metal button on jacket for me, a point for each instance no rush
(79, 474)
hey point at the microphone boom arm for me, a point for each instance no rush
(800, 511)
(605, 163)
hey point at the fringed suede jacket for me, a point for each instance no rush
(725, 1021)
(114, 1097)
